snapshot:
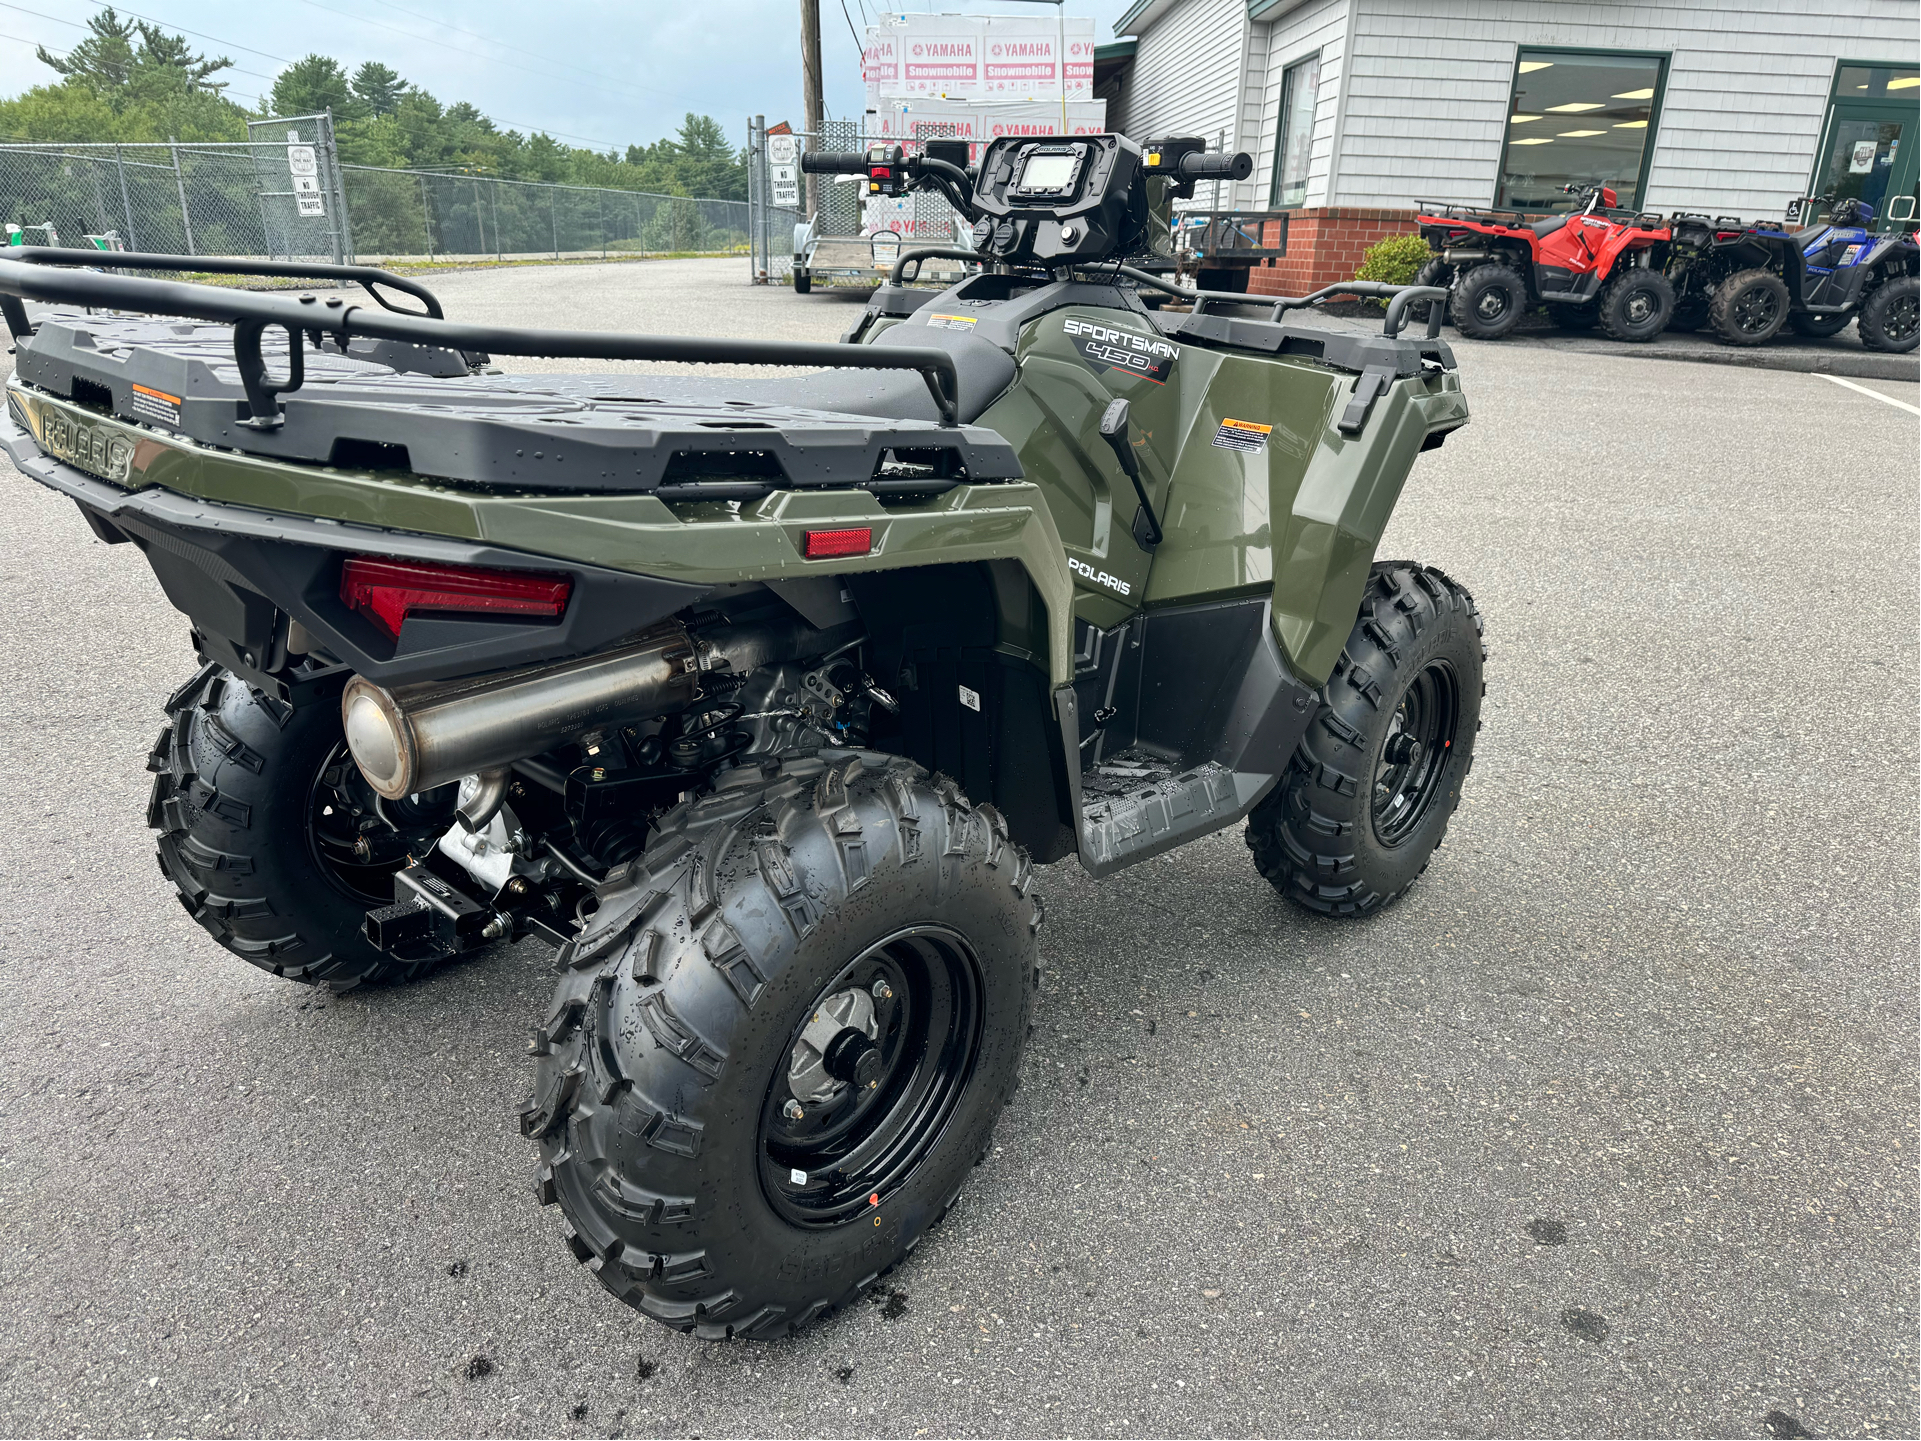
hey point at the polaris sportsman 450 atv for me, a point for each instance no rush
(759, 700)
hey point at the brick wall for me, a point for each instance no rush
(1325, 244)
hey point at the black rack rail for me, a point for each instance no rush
(76, 277)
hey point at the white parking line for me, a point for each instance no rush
(1888, 399)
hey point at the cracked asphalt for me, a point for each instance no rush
(1607, 1128)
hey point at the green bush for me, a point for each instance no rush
(1395, 260)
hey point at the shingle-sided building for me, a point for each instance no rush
(1356, 109)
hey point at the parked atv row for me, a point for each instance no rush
(1632, 275)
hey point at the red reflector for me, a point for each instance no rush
(388, 591)
(820, 544)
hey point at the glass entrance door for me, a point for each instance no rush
(1868, 148)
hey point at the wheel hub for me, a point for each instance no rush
(1413, 765)
(836, 1049)
(873, 1074)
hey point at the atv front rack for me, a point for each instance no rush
(71, 277)
(1398, 297)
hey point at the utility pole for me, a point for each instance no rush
(810, 88)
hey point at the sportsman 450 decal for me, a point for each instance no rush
(1099, 577)
(1108, 347)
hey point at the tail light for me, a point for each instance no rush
(821, 544)
(388, 591)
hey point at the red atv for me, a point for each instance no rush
(1597, 266)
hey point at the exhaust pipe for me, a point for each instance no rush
(418, 738)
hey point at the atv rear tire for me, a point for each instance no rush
(665, 1079)
(1635, 305)
(1438, 273)
(1889, 317)
(1749, 307)
(1488, 301)
(1819, 327)
(254, 802)
(1367, 796)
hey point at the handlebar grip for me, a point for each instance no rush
(830, 162)
(1199, 166)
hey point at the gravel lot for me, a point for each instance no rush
(1608, 1128)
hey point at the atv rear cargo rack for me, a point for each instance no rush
(399, 390)
(25, 275)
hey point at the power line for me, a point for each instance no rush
(283, 60)
(508, 45)
(459, 50)
(74, 24)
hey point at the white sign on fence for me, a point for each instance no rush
(782, 149)
(310, 207)
(300, 160)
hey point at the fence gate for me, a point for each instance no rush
(777, 196)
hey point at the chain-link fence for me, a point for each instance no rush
(283, 194)
(276, 199)
(440, 216)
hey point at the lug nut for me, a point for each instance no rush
(362, 848)
(883, 991)
(793, 1111)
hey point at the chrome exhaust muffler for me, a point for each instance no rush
(417, 738)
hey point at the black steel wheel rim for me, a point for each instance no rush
(1640, 306)
(1492, 303)
(1756, 308)
(359, 840)
(1904, 315)
(1411, 768)
(843, 1157)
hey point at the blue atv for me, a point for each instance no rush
(1747, 280)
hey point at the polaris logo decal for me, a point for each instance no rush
(1099, 577)
(1106, 347)
(92, 448)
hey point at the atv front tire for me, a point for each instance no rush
(1635, 305)
(1889, 318)
(1488, 301)
(1749, 307)
(260, 811)
(728, 1161)
(1371, 786)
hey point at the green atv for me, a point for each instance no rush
(759, 701)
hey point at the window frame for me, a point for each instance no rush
(1664, 60)
(1318, 56)
(1835, 100)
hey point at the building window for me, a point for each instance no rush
(1579, 117)
(1867, 148)
(1294, 135)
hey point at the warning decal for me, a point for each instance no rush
(150, 404)
(1242, 435)
(952, 322)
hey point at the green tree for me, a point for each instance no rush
(312, 84)
(379, 88)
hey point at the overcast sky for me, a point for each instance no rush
(599, 74)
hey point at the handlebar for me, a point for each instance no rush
(1197, 165)
(832, 162)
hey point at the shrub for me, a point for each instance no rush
(1395, 260)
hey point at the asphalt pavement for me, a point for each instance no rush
(1607, 1128)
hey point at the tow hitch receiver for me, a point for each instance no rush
(430, 918)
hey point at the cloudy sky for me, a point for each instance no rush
(594, 73)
